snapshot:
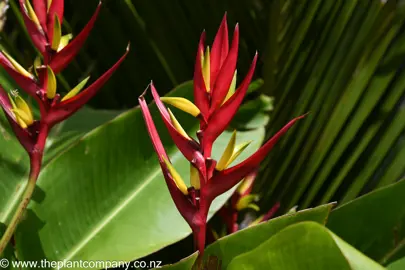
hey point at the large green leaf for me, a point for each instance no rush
(306, 245)
(377, 222)
(228, 247)
(245, 240)
(105, 197)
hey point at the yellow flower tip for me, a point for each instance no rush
(17, 66)
(237, 151)
(227, 155)
(51, 83)
(176, 177)
(57, 34)
(247, 202)
(21, 110)
(64, 40)
(23, 119)
(48, 5)
(206, 69)
(76, 89)
(177, 125)
(31, 14)
(232, 88)
(245, 185)
(182, 104)
(194, 177)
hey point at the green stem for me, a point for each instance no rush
(35, 168)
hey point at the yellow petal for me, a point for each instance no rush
(76, 90)
(57, 34)
(17, 118)
(177, 125)
(176, 177)
(37, 63)
(25, 119)
(22, 105)
(64, 40)
(206, 70)
(17, 66)
(51, 87)
(246, 202)
(48, 5)
(194, 177)
(31, 14)
(238, 150)
(246, 183)
(226, 156)
(232, 88)
(182, 104)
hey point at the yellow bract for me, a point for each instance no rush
(31, 14)
(182, 104)
(17, 66)
(176, 177)
(246, 202)
(232, 88)
(22, 111)
(177, 125)
(226, 156)
(64, 40)
(231, 153)
(194, 177)
(237, 151)
(246, 183)
(206, 70)
(51, 83)
(48, 5)
(57, 34)
(76, 90)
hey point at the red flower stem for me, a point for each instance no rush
(35, 168)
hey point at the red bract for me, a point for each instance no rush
(216, 102)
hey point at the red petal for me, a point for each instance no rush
(226, 179)
(223, 116)
(66, 108)
(189, 148)
(57, 7)
(225, 76)
(27, 84)
(219, 50)
(200, 91)
(40, 8)
(66, 55)
(37, 37)
(182, 203)
(22, 135)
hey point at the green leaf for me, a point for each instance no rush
(306, 245)
(105, 196)
(376, 222)
(397, 265)
(245, 240)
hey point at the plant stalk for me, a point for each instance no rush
(35, 168)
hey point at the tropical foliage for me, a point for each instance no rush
(328, 195)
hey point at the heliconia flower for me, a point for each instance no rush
(54, 109)
(43, 20)
(216, 101)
